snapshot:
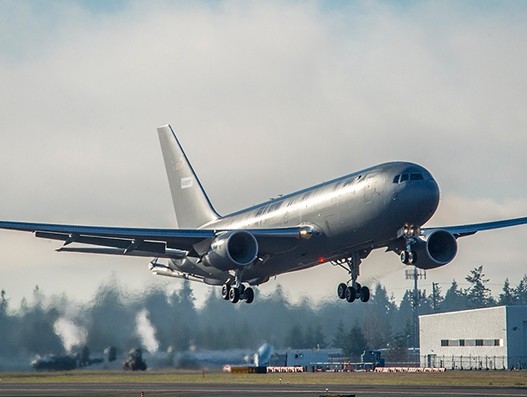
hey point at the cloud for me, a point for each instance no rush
(267, 97)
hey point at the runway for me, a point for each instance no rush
(229, 390)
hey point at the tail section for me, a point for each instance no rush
(193, 208)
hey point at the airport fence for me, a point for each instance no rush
(472, 362)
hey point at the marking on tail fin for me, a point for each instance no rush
(186, 182)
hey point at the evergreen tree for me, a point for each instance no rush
(507, 297)
(436, 299)
(188, 323)
(111, 320)
(339, 339)
(315, 338)
(3, 303)
(36, 334)
(454, 299)
(478, 294)
(405, 312)
(7, 323)
(295, 338)
(159, 313)
(356, 343)
(398, 351)
(520, 292)
(378, 328)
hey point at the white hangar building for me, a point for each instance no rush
(490, 338)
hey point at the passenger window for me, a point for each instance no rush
(416, 177)
(404, 177)
(396, 179)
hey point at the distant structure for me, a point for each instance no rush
(135, 361)
(490, 338)
(415, 274)
(309, 360)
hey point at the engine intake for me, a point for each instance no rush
(437, 249)
(232, 250)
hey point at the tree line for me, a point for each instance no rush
(111, 319)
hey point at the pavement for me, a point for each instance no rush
(229, 390)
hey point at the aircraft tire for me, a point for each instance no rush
(364, 294)
(408, 257)
(341, 291)
(234, 295)
(350, 294)
(249, 295)
(225, 289)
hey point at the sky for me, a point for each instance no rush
(267, 98)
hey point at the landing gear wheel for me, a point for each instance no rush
(225, 289)
(249, 295)
(234, 295)
(341, 291)
(350, 294)
(408, 257)
(353, 290)
(364, 294)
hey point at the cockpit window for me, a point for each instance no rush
(414, 176)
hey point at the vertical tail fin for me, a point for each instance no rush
(193, 208)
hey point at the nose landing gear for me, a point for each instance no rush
(411, 234)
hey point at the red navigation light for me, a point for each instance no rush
(321, 259)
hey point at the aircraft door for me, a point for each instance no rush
(372, 189)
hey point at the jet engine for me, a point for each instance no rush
(435, 250)
(232, 250)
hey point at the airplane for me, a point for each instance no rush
(340, 222)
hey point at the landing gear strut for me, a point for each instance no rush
(237, 292)
(410, 234)
(352, 291)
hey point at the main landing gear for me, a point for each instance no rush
(352, 291)
(238, 291)
(235, 294)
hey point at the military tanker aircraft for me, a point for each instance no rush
(340, 221)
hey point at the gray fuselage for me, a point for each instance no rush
(354, 213)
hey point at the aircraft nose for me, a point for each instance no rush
(425, 198)
(418, 198)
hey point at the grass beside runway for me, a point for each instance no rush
(448, 378)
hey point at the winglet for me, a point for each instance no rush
(192, 206)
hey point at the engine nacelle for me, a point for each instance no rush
(232, 250)
(437, 249)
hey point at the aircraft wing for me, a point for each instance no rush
(169, 243)
(467, 230)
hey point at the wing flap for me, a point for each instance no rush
(170, 253)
